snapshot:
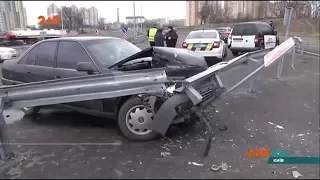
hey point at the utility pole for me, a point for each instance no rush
(141, 16)
(134, 15)
(61, 19)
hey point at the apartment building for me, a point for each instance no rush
(85, 16)
(12, 15)
(93, 16)
(52, 9)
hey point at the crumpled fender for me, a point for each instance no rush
(167, 113)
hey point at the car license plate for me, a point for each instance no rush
(200, 45)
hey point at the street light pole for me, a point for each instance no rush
(134, 15)
(141, 16)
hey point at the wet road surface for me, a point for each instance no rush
(92, 147)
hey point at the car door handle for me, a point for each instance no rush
(57, 77)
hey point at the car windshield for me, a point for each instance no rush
(202, 34)
(110, 51)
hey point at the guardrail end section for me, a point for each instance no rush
(5, 149)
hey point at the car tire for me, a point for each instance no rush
(235, 53)
(140, 117)
(31, 110)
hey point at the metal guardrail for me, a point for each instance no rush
(198, 90)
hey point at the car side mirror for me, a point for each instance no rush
(275, 32)
(86, 67)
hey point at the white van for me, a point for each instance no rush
(252, 36)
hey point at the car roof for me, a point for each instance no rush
(253, 22)
(83, 38)
(224, 28)
(205, 30)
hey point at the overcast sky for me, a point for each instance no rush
(108, 9)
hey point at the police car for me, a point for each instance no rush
(252, 36)
(207, 43)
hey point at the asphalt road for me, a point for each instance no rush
(253, 120)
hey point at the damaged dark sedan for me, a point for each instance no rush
(83, 56)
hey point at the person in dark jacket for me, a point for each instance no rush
(158, 38)
(271, 24)
(171, 37)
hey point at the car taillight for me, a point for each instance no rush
(10, 36)
(184, 45)
(216, 45)
(226, 33)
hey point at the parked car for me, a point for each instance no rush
(250, 36)
(224, 32)
(7, 53)
(207, 43)
(84, 56)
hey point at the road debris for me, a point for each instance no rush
(277, 126)
(195, 164)
(223, 128)
(301, 134)
(164, 154)
(224, 166)
(293, 167)
(280, 127)
(296, 174)
(215, 168)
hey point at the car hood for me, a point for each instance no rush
(174, 55)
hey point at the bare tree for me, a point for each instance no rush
(101, 23)
(78, 21)
(67, 17)
(204, 13)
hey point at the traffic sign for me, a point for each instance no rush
(277, 52)
(97, 31)
(124, 30)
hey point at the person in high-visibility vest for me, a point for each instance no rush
(151, 34)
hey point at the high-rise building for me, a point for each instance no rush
(51, 9)
(93, 16)
(25, 16)
(85, 15)
(12, 15)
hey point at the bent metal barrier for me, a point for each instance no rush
(135, 83)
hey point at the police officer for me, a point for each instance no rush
(151, 33)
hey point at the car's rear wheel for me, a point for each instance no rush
(133, 120)
(235, 53)
(31, 110)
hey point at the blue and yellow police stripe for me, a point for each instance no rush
(208, 47)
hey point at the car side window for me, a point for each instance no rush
(70, 53)
(265, 29)
(30, 57)
(45, 54)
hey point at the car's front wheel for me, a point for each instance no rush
(134, 118)
(31, 110)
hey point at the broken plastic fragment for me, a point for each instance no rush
(224, 166)
(271, 123)
(301, 134)
(215, 168)
(280, 127)
(195, 164)
(296, 174)
(163, 154)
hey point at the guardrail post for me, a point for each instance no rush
(293, 56)
(5, 149)
(254, 77)
(302, 50)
